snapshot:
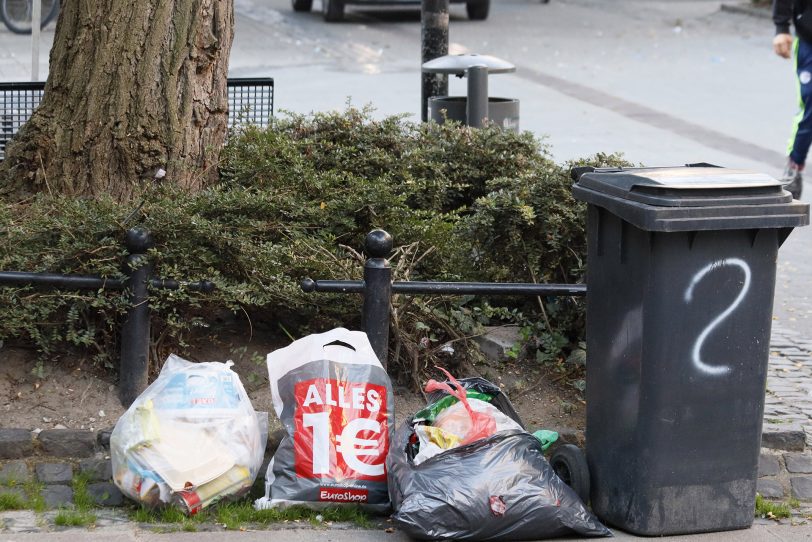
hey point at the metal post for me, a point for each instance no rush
(477, 104)
(135, 332)
(36, 19)
(434, 35)
(377, 292)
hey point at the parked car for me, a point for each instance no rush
(333, 10)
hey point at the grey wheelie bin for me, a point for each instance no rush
(681, 277)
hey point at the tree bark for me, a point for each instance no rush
(134, 86)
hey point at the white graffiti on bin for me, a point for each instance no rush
(695, 353)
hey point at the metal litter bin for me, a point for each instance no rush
(477, 106)
(681, 275)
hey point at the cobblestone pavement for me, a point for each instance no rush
(789, 382)
(785, 469)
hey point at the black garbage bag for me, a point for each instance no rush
(500, 487)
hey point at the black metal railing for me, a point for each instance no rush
(377, 289)
(250, 101)
(135, 332)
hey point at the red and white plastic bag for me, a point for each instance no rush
(336, 403)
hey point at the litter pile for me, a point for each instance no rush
(463, 467)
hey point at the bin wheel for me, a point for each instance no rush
(333, 10)
(570, 465)
(302, 5)
(477, 10)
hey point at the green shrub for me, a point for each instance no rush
(295, 201)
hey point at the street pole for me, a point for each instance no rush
(434, 35)
(36, 18)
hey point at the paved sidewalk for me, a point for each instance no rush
(758, 533)
(344, 533)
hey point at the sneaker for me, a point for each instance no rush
(793, 179)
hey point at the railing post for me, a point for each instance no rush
(377, 292)
(135, 332)
(434, 39)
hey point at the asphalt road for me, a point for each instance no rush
(664, 82)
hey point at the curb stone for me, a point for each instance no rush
(68, 442)
(54, 473)
(798, 463)
(15, 471)
(768, 465)
(801, 487)
(770, 489)
(105, 494)
(97, 470)
(791, 438)
(15, 443)
(57, 495)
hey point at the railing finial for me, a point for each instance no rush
(378, 244)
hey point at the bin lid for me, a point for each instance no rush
(698, 197)
(457, 64)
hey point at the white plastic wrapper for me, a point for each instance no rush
(191, 438)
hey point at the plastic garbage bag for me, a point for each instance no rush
(452, 426)
(470, 424)
(191, 438)
(429, 414)
(495, 488)
(335, 401)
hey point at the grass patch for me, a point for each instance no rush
(168, 516)
(240, 514)
(36, 501)
(771, 510)
(81, 497)
(75, 518)
(10, 501)
(342, 514)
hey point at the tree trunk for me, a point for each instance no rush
(134, 86)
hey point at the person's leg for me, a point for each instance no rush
(802, 130)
